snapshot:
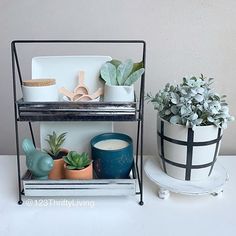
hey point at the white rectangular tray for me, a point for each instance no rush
(65, 69)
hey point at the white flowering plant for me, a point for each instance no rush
(192, 103)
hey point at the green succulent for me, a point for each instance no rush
(55, 142)
(192, 103)
(124, 74)
(76, 161)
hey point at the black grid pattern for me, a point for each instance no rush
(189, 154)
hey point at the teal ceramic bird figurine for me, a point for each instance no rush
(38, 162)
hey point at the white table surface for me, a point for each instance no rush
(178, 215)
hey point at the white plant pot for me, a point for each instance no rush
(118, 93)
(40, 93)
(187, 154)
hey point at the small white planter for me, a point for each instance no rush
(118, 93)
(187, 154)
(42, 90)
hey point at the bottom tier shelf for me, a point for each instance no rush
(65, 187)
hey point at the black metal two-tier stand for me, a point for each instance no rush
(83, 111)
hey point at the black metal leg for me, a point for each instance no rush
(16, 127)
(32, 133)
(142, 91)
(137, 154)
(18, 163)
(134, 171)
(141, 166)
(20, 202)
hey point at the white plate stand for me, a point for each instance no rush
(213, 185)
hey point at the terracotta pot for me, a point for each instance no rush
(58, 168)
(86, 173)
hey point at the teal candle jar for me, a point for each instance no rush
(112, 155)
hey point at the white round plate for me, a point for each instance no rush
(212, 184)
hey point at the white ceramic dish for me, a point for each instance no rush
(40, 93)
(65, 70)
(66, 99)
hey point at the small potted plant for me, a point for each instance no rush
(56, 151)
(190, 122)
(78, 166)
(119, 79)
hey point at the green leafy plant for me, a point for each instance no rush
(122, 74)
(192, 103)
(55, 142)
(76, 161)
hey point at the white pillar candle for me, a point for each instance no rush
(111, 144)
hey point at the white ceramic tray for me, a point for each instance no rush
(212, 185)
(65, 69)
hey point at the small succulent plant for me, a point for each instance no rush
(192, 103)
(76, 161)
(55, 142)
(121, 74)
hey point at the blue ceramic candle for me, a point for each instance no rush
(113, 155)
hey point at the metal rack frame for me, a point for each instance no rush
(137, 116)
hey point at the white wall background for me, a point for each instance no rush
(184, 37)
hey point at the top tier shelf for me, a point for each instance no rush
(81, 111)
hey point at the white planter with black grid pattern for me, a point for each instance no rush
(187, 154)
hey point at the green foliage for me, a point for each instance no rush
(117, 73)
(115, 62)
(55, 142)
(123, 71)
(134, 77)
(76, 161)
(108, 71)
(192, 103)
